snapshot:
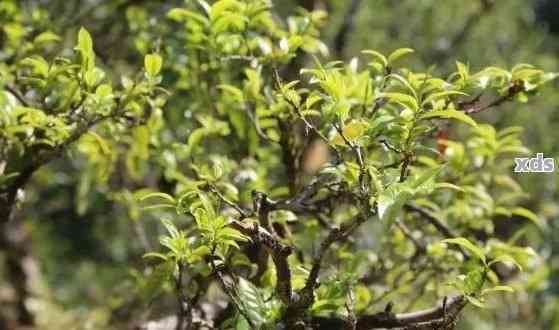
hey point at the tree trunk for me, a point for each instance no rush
(21, 269)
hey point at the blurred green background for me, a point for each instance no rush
(86, 248)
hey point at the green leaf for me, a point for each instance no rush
(467, 245)
(463, 70)
(93, 76)
(38, 64)
(85, 43)
(232, 234)
(405, 83)
(164, 196)
(447, 185)
(376, 179)
(171, 229)
(103, 146)
(474, 281)
(406, 100)
(252, 300)
(152, 64)
(498, 288)
(181, 15)
(46, 37)
(153, 283)
(520, 211)
(450, 114)
(440, 95)
(391, 201)
(158, 206)
(234, 91)
(475, 301)
(155, 255)
(207, 204)
(505, 258)
(7, 177)
(399, 53)
(201, 251)
(352, 131)
(427, 176)
(104, 91)
(377, 55)
(85, 46)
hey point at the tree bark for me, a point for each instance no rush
(21, 268)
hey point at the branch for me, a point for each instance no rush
(182, 300)
(444, 314)
(336, 234)
(244, 214)
(277, 250)
(419, 245)
(438, 224)
(358, 156)
(301, 202)
(288, 158)
(474, 105)
(446, 232)
(308, 125)
(261, 208)
(433, 220)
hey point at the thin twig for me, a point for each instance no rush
(419, 246)
(244, 214)
(16, 93)
(279, 252)
(474, 107)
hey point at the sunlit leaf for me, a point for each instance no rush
(152, 64)
(498, 288)
(450, 114)
(465, 243)
(399, 53)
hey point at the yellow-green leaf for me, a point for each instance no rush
(352, 132)
(399, 53)
(498, 288)
(164, 196)
(85, 46)
(520, 211)
(475, 301)
(406, 100)
(152, 64)
(46, 37)
(450, 114)
(181, 15)
(505, 258)
(377, 55)
(467, 245)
